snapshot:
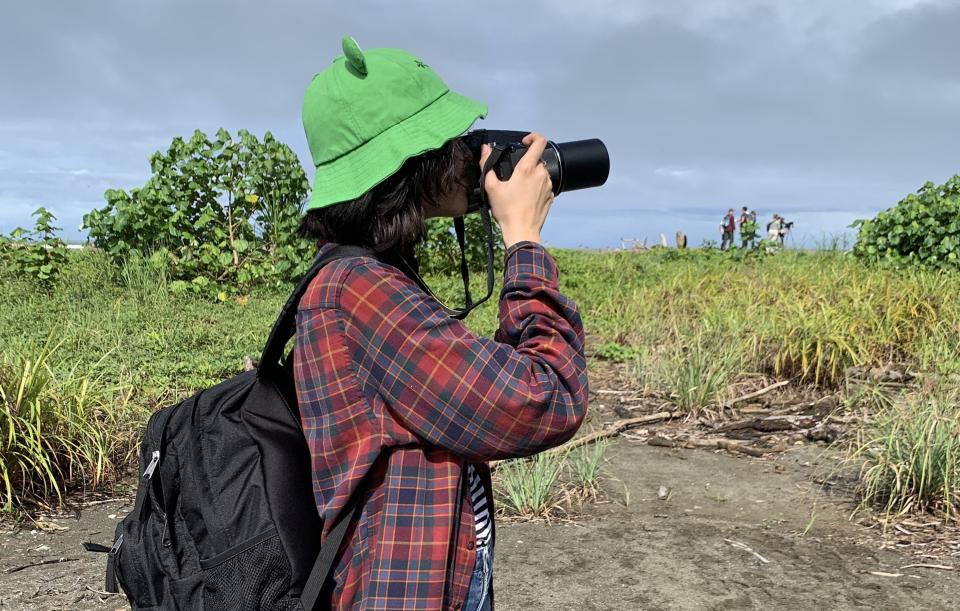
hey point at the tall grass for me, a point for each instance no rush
(695, 376)
(527, 486)
(791, 315)
(911, 458)
(57, 429)
(586, 465)
(146, 279)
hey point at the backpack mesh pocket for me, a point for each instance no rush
(250, 576)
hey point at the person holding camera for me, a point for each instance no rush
(398, 399)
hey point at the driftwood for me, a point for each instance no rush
(615, 429)
(714, 444)
(770, 424)
(608, 431)
(41, 563)
(754, 395)
(732, 446)
(747, 549)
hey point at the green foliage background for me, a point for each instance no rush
(221, 212)
(219, 217)
(922, 230)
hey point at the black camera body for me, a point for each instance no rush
(572, 165)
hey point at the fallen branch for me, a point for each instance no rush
(770, 424)
(733, 446)
(747, 548)
(755, 394)
(615, 429)
(125, 499)
(100, 592)
(939, 567)
(41, 563)
(610, 430)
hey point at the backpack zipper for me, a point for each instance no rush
(117, 544)
(152, 465)
(110, 584)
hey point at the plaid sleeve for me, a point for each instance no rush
(480, 398)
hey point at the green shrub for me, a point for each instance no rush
(922, 230)
(224, 210)
(38, 254)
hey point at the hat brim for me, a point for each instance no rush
(353, 174)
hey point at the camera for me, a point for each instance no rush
(579, 164)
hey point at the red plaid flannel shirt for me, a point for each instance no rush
(393, 389)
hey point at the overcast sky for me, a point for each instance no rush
(822, 110)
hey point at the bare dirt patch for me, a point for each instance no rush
(681, 552)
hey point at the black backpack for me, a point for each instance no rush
(225, 516)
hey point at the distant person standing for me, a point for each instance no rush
(774, 228)
(728, 226)
(748, 227)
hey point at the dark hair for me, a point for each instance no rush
(389, 218)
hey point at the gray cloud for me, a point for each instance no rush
(824, 111)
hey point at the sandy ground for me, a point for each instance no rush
(649, 554)
(676, 553)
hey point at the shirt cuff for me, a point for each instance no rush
(530, 259)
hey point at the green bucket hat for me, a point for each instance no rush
(369, 112)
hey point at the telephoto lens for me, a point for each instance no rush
(580, 164)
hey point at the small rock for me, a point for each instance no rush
(663, 493)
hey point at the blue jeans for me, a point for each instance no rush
(478, 595)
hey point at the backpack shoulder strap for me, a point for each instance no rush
(319, 581)
(285, 326)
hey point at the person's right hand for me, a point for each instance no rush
(520, 204)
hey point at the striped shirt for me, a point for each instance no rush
(481, 512)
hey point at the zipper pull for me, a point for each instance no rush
(117, 544)
(152, 465)
(110, 581)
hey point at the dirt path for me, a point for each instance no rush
(672, 554)
(652, 554)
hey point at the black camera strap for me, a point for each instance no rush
(496, 154)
